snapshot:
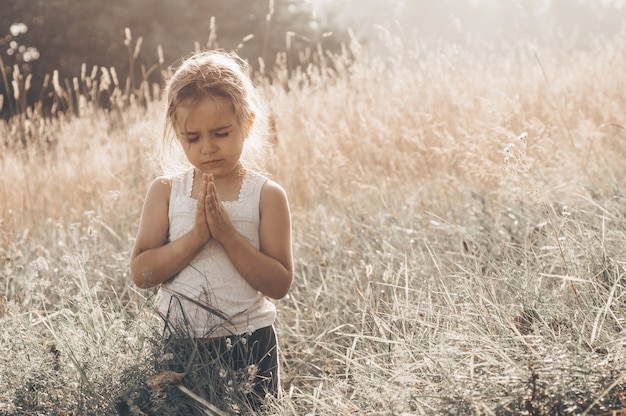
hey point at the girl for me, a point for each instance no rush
(216, 237)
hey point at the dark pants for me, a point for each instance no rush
(240, 369)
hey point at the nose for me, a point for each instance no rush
(208, 145)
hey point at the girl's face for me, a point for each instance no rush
(211, 136)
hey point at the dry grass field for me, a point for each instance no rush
(459, 229)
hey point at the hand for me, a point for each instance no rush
(202, 227)
(216, 216)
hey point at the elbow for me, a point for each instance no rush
(140, 276)
(135, 271)
(281, 290)
(137, 280)
(280, 295)
(139, 283)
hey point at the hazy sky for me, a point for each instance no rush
(541, 4)
(488, 18)
(545, 4)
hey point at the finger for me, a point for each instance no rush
(203, 209)
(208, 203)
(213, 195)
(201, 200)
(201, 219)
(207, 184)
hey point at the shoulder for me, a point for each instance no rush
(162, 184)
(272, 190)
(159, 190)
(269, 190)
(273, 198)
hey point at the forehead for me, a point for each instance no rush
(206, 113)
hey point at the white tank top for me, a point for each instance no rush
(209, 298)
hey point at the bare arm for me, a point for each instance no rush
(153, 260)
(269, 269)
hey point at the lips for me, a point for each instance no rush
(211, 163)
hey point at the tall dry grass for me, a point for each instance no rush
(445, 263)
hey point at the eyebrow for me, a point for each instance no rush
(222, 128)
(188, 132)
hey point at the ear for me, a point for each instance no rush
(250, 123)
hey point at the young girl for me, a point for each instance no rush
(216, 237)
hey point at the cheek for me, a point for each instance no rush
(185, 146)
(182, 143)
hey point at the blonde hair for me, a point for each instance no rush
(214, 74)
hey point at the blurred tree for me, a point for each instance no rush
(67, 33)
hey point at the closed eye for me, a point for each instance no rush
(192, 139)
(222, 132)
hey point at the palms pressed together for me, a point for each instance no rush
(212, 220)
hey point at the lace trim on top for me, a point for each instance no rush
(188, 179)
(242, 207)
